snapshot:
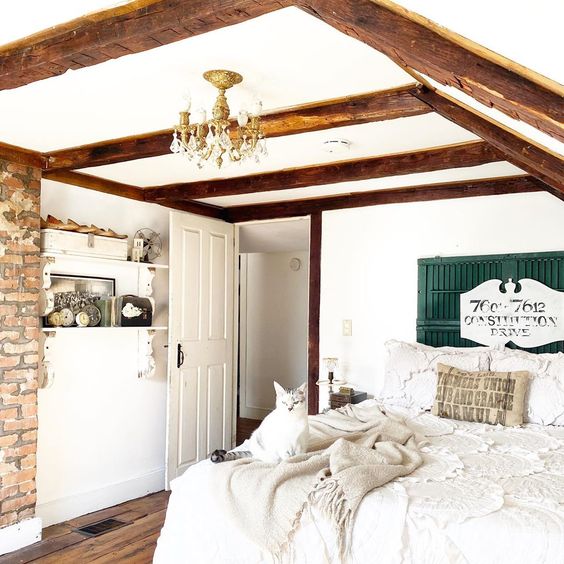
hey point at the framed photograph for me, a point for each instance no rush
(74, 292)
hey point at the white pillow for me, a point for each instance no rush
(410, 377)
(545, 397)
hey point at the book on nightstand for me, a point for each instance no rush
(339, 399)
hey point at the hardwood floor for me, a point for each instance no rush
(132, 543)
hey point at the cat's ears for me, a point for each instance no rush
(303, 387)
(280, 391)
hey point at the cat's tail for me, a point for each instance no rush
(224, 456)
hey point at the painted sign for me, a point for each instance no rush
(529, 313)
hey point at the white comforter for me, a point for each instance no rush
(484, 495)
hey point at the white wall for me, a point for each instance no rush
(369, 264)
(274, 325)
(101, 437)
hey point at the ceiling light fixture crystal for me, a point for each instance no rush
(211, 140)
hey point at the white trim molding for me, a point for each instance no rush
(20, 534)
(65, 508)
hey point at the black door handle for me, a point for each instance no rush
(179, 356)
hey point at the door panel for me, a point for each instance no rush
(201, 322)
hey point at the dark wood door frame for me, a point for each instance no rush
(314, 309)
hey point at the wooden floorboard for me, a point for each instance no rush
(134, 542)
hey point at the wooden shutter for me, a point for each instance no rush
(441, 280)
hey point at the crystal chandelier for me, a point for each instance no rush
(211, 140)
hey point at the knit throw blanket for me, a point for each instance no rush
(352, 451)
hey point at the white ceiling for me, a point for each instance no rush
(142, 92)
(274, 236)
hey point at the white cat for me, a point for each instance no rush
(283, 433)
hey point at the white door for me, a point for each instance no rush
(200, 414)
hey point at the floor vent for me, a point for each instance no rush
(101, 527)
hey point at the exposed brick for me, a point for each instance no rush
(8, 440)
(8, 519)
(6, 468)
(8, 309)
(29, 436)
(8, 389)
(9, 361)
(28, 461)
(26, 513)
(28, 410)
(21, 399)
(18, 348)
(18, 477)
(20, 297)
(15, 503)
(20, 374)
(31, 358)
(10, 283)
(10, 413)
(20, 451)
(13, 321)
(11, 259)
(31, 333)
(34, 283)
(20, 424)
(9, 335)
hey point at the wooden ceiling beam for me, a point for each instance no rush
(133, 27)
(518, 150)
(427, 160)
(316, 116)
(450, 190)
(407, 38)
(413, 41)
(19, 155)
(128, 191)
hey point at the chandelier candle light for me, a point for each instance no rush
(204, 139)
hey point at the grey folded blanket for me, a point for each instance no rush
(352, 451)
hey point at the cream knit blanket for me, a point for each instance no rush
(352, 451)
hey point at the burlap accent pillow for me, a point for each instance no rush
(481, 397)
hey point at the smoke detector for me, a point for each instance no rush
(336, 145)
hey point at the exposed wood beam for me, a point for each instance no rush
(96, 183)
(128, 191)
(438, 158)
(449, 190)
(21, 156)
(407, 38)
(315, 238)
(111, 33)
(522, 152)
(414, 41)
(338, 112)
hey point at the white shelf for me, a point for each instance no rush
(97, 260)
(81, 329)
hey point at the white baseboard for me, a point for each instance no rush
(65, 508)
(20, 534)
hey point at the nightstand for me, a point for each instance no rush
(339, 400)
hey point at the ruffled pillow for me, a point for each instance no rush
(410, 377)
(545, 398)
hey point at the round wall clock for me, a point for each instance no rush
(82, 319)
(93, 313)
(55, 319)
(67, 317)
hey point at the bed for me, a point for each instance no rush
(484, 494)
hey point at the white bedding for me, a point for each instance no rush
(484, 495)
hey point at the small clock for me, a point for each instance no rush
(67, 317)
(55, 319)
(82, 319)
(93, 313)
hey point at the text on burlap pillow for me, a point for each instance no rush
(481, 397)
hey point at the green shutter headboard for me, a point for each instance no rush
(441, 280)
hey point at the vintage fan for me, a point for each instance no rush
(152, 244)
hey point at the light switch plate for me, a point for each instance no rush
(347, 327)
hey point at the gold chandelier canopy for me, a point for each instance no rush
(206, 140)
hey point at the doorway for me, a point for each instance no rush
(273, 315)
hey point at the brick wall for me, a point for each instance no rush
(19, 337)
